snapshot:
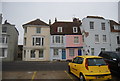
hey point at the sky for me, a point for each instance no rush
(19, 13)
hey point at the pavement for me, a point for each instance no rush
(38, 71)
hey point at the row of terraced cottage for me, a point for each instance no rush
(64, 40)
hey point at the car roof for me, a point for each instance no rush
(87, 56)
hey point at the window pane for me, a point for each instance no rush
(40, 53)
(92, 51)
(59, 29)
(118, 40)
(104, 38)
(32, 53)
(56, 51)
(91, 25)
(76, 39)
(102, 49)
(24, 41)
(38, 41)
(57, 39)
(75, 29)
(38, 30)
(4, 29)
(103, 26)
(96, 38)
(71, 52)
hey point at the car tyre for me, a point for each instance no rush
(69, 71)
(82, 77)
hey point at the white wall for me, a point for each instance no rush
(90, 40)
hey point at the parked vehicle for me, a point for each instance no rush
(89, 68)
(112, 59)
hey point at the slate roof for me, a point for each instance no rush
(112, 23)
(36, 22)
(66, 26)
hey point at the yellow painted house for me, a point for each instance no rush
(36, 41)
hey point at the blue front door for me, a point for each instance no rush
(79, 52)
(63, 54)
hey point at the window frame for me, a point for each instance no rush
(91, 23)
(76, 40)
(97, 40)
(75, 28)
(38, 30)
(59, 29)
(103, 26)
(32, 57)
(41, 53)
(71, 54)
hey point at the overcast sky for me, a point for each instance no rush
(19, 13)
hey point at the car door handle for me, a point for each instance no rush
(74, 65)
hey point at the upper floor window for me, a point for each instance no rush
(4, 29)
(38, 41)
(75, 29)
(103, 26)
(25, 41)
(76, 40)
(118, 40)
(57, 39)
(91, 25)
(38, 30)
(104, 38)
(116, 27)
(25, 29)
(59, 29)
(96, 38)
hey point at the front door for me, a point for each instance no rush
(63, 54)
(79, 52)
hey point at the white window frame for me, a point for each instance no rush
(41, 53)
(75, 28)
(34, 41)
(54, 39)
(97, 40)
(34, 53)
(5, 53)
(104, 38)
(59, 29)
(38, 30)
(91, 25)
(55, 52)
(103, 26)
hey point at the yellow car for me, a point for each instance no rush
(89, 68)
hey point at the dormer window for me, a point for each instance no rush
(59, 29)
(75, 30)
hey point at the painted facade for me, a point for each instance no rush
(36, 41)
(8, 41)
(63, 36)
(96, 35)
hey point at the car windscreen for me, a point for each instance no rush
(96, 62)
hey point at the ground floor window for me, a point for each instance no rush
(118, 49)
(71, 52)
(41, 53)
(32, 54)
(56, 51)
(24, 53)
(92, 51)
(102, 49)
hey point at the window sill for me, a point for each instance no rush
(41, 58)
(32, 58)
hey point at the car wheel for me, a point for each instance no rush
(82, 77)
(69, 71)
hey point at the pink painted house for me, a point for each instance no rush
(73, 46)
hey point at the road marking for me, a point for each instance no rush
(33, 75)
(69, 75)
